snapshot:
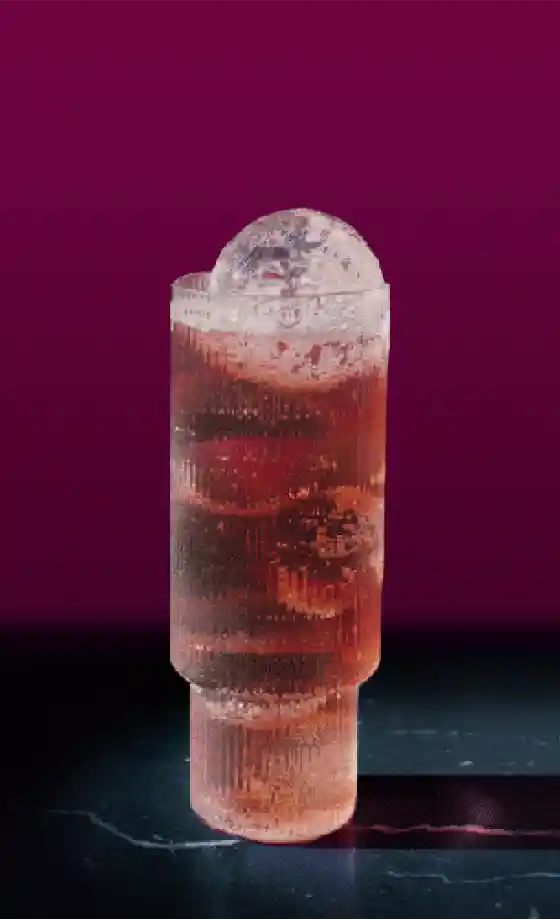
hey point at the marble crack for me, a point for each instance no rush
(456, 734)
(477, 829)
(489, 880)
(171, 846)
(174, 846)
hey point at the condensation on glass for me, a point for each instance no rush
(278, 419)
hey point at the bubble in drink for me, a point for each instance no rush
(278, 405)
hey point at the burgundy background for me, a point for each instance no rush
(138, 137)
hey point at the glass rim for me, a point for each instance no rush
(189, 283)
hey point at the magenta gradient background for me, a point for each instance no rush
(138, 137)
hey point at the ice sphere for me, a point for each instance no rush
(299, 273)
(296, 298)
(296, 253)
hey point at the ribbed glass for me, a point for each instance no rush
(277, 508)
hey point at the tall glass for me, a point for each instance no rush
(277, 508)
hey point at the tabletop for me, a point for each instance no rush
(458, 807)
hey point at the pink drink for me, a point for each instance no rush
(277, 495)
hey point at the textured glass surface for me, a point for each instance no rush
(278, 407)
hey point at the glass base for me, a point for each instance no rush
(274, 769)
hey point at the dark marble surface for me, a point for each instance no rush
(458, 815)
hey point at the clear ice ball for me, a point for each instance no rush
(298, 298)
(295, 253)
